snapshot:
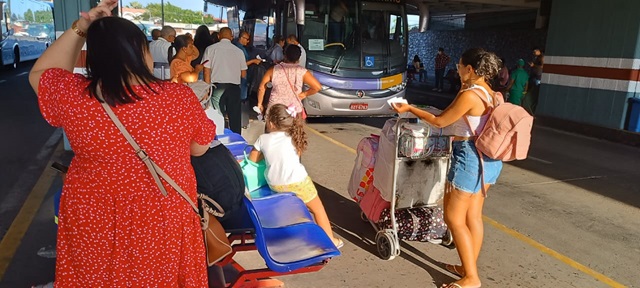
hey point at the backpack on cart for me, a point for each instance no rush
(425, 224)
(362, 173)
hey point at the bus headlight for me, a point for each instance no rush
(398, 88)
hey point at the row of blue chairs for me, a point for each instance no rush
(280, 227)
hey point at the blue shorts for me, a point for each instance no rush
(464, 172)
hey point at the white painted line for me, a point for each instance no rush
(539, 160)
(561, 181)
(22, 74)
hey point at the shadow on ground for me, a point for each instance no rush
(345, 217)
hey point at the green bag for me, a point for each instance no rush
(253, 173)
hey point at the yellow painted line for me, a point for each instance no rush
(314, 131)
(544, 249)
(11, 241)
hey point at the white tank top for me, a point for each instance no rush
(460, 127)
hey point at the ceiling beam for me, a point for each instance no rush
(434, 12)
(508, 3)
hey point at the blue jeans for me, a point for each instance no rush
(244, 85)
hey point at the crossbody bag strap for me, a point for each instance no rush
(154, 169)
(293, 89)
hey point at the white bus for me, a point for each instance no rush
(27, 30)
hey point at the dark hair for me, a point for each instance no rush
(441, 49)
(292, 53)
(112, 58)
(277, 39)
(214, 37)
(484, 63)
(181, 41)
(202, 39)
(292, 37)
(292, 126)
(416, 59)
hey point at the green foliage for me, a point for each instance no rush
(174, 13)
(28, 16)
(44, 16)
(135, 5)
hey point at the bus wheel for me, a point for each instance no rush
(16, 57)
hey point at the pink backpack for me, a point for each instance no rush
(507, 134)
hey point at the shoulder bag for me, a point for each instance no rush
(215, 238)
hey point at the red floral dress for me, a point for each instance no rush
(115, 227)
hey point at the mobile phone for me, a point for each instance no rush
(59, 167)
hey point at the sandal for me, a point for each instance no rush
(338, 242)
(453, 269)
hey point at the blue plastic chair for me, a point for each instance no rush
(288, 243)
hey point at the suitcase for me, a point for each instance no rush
(425, 224)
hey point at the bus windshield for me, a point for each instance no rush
(355, 35)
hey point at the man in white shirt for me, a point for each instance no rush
(293, 40)
(160, 52)
(224, 66)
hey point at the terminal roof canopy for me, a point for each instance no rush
(455, 7)
(436, 7)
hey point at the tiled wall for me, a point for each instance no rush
(510, 44)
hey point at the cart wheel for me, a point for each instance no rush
(447, 240)
(363, 217)
(385, 246)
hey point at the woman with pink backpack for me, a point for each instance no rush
(466, 191)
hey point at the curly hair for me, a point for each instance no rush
(281, 120)
(484, 63)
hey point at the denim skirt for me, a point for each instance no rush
(464, 173)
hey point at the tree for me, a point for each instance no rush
(135, 5)
(43, 16)
(28, 16)
(174, 13)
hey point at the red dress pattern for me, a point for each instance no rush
(115, 227)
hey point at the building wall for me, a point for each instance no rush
(508, 43)
(591, 62)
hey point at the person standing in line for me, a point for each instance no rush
(442, 60)
(116, 228)
(242, 42)
(277, 51)
(181, 69)
(464, 197)
(155, 34)
(502, 80)
(224, 67)
(534, 81)
(159, 51)
(518, 85)
(202, 40)
(293, 40)
(288, 79)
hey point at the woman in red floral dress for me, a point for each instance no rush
(116, 229)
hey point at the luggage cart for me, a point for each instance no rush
(437, 148)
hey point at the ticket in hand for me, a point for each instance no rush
(397, 100)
